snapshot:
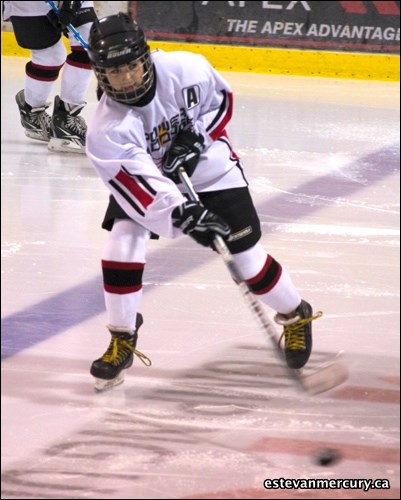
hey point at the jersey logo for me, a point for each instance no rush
(240, 234)
(191, 96)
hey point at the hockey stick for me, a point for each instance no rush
(321, 380)
(69, 26)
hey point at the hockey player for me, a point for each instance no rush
(160, 111)
(38, 28)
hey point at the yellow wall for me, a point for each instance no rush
(277, 61)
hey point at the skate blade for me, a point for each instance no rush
(64, 146)
(37, 136)
(102, 385)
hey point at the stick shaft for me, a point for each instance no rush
(228, 259)
(76, 34)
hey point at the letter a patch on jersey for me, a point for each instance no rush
(191, 96)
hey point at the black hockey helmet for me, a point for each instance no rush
(115, 41)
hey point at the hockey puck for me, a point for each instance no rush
(327, 456)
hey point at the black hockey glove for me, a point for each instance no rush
(199, 223)
(65, 16)
(185, 151)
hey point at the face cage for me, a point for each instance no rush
(135, 95)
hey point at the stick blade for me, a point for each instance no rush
(326, 378)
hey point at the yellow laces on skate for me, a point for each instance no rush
(117, 352)
(294, 333)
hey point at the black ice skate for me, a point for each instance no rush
(35, 121)
(67, 129)
(297, 334)
(109, 369)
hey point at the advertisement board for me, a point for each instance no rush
(334, 26)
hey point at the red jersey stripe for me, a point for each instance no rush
(134, 188)
(216, 133)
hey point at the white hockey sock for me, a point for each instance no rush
(281, 294)
(124, 253)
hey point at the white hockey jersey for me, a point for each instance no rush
(23, 9)
(126, 144)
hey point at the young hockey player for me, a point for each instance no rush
(160, 111)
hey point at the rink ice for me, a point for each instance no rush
(215, 415)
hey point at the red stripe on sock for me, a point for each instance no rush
(260, 275)
(122, 290)
(125, 266)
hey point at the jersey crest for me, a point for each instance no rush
(191, 96)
